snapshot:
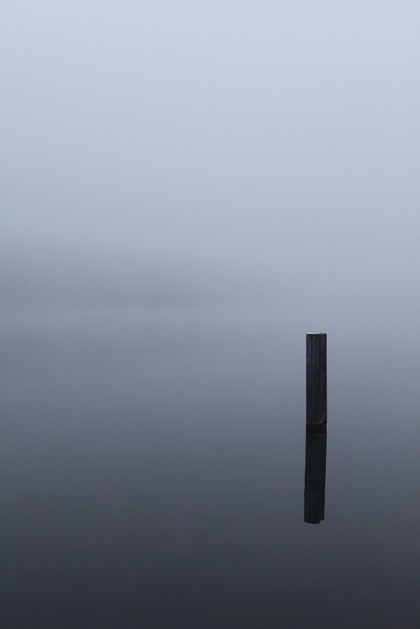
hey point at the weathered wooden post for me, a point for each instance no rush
(315, 473)
(316, 380)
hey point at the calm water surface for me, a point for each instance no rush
(152, 476)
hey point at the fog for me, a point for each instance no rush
(280, 135)
(186, 189)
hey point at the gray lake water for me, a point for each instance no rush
(152, 475)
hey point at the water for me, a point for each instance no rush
(153, 468)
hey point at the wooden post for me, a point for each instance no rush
(316, 380)
(315, 472)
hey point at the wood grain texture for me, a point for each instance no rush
(316, 379)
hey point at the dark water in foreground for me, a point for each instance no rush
(152, 475)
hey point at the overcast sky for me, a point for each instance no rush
(270, 132)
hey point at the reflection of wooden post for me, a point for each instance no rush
(315, 472)
(316, 379)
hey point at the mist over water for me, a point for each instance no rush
(153, 456)
(187, 189)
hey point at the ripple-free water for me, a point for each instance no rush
(152, 475)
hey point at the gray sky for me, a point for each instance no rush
(257, 132)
